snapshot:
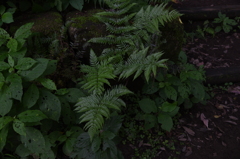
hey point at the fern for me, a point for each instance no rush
(97, 106)
(139, 62)
(97, 74)
(118, 24)
(150, 18)
(131, 51)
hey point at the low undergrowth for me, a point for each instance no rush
(90, 120)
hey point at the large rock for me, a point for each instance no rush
(85, 26)
(45, 23)
(47, 28)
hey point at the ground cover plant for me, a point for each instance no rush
(38, 119)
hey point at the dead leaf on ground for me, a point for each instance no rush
(224, 144)
(221, 106)
(204, 120)
(231, 122)
(235, 90)
(217, 116)
(189, 151)
(146, 144)
(233, 117)
(189, 131)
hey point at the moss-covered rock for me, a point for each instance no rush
(46, 29)
(84, 27)
(45, 23)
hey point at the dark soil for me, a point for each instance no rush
(211, 130)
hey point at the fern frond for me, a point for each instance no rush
(97, 74)
(115, 21)
(96, 107)
(151, 17)
(140, 62)
(119, 30)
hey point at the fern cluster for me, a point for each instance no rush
(129, 52)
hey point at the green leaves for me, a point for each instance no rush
(166, 122)
(33, 140)
(5, 100)
(47, 83)
(31, 116)
(97, 74)
(4, 121)
(4, 66)
(24, 31)
(139, 62)
(3, 137)
(225, 23)
(12, 45)
(35, 72)
(171, 93)
(49, 104)
(25, 63)
(77, 4)
(147, 105)
(31, 96)
(95, 107)
(18, 126)
(15, 87)
(7, 17)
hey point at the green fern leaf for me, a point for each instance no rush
(96, 107)
(97, 75)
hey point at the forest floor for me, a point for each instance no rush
(211, 130)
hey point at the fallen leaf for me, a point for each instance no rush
(233, 117)
(235, 90)
(146, 144)
(184, 149)
(204, 120)
(231, 122)
(182, 139)
(217, 116)
(189, 131)
(224, 144)
(189, 151)
(162, 148)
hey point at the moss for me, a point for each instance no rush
(84, 27)
(45, 23)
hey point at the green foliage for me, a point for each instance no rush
(98, 74)
(225, 23)
(6, 15)
(28, 100)
(97, 106)
(212, 27)
(102, 146)
(180, 85)
(36, 117)
(128, 54)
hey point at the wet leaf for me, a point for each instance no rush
(189, 131)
